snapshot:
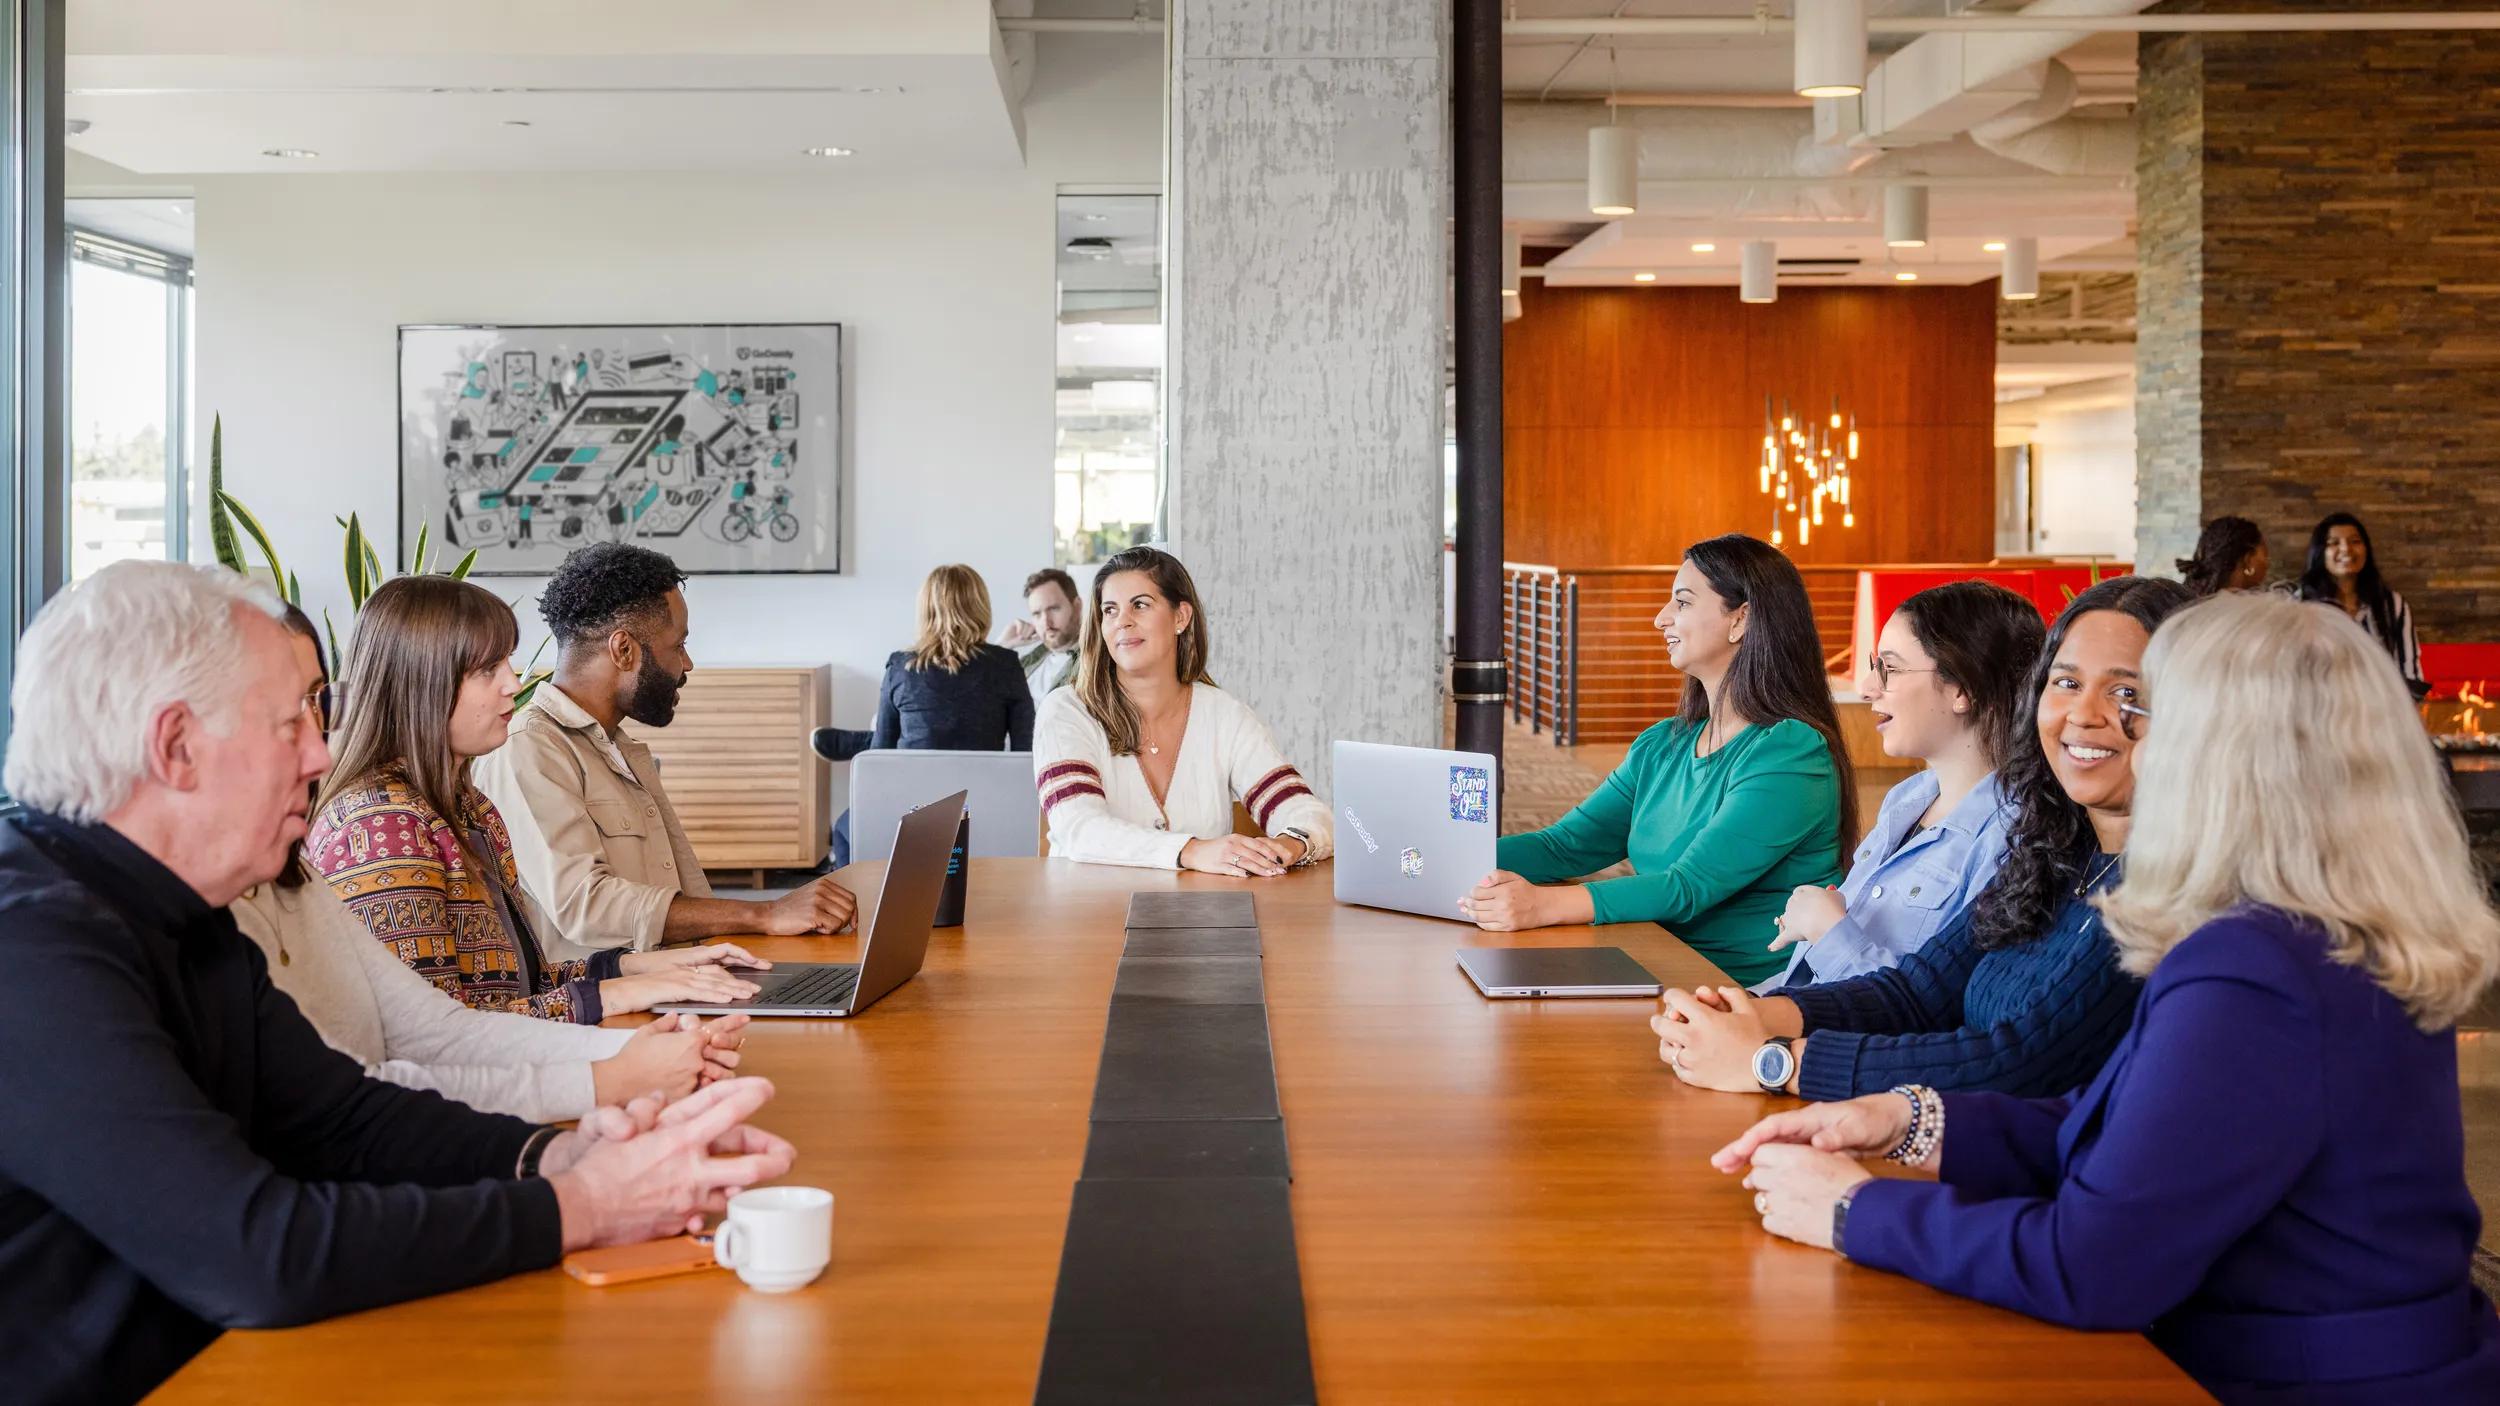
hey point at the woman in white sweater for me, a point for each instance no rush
(1141, 760)
(368, 1005)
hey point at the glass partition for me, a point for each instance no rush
(1107, 470)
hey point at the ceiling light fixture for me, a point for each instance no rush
(1831, 48)
(831, 151)
(1805, 465)
(290, 153)
(1510, 263)
(1705, 247)
(1993, 246)
(2021, 282)
(1905, 276)
(514, 122)
(1644, 276)
(1758, 279)
(1614, 170)
(1905, 217)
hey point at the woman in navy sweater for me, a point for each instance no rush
(2022, 994)
(2268, 1176)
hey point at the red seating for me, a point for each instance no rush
(2048, 587)
(2451, 669)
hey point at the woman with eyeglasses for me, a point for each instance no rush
(2267, 1179)
(2023, 993)
(1945, 687)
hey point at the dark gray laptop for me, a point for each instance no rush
(1555, 971)
(895, 940)
(1415, 826)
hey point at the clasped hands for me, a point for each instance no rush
(646, 1169)
(1244, 856)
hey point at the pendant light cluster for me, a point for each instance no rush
(1806, 463)
(1831, 62)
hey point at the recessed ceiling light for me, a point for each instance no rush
(1705, 247)
(1095, 218)
(1905, 276)
(76, 126)
(831, 151)
(290, 153)
(1080, 337)
(1994, 246)
(1644, 278)
(514, 122)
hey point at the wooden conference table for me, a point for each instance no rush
(1493, 1201)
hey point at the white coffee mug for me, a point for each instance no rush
(778, 1238)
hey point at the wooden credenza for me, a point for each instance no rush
(738, 768)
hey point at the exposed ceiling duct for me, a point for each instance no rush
(1943, 85)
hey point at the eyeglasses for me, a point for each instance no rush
(1883, 671)
(2127, 714)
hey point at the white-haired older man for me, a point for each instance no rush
(179, 1151)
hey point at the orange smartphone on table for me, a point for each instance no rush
(652, 1259)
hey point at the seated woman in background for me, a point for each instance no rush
(1142, 759)
(2268, 1176)
(2023, 994)
(2230, 556)
(952, 691)
(392, 1021)
(2343, 572)
(420, 856)
(1946, 690)
(1724, 809)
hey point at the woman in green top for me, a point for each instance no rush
(1723, 809)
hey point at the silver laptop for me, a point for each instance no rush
(998, 794)
(895, 940)
(1415, 826)
(1555, 971)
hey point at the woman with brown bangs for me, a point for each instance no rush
(420, 856)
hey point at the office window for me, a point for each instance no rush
(1107, 471)
(129, 333)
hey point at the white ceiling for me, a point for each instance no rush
(152, 222)
(205, 86)
(1571, 79)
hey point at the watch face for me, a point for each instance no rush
(1770, 1065)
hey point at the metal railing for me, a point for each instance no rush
(1586, 664)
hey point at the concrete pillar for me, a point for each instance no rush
(2318, 319)
(1309, 202)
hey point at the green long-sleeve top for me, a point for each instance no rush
(1716, 842)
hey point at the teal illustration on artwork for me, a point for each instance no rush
(706, 384)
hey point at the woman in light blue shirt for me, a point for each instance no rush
(1945, 685)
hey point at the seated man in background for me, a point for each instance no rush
(179, 1151)
(596, 841)
(1045, 640)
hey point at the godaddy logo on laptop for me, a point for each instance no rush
(1370, 845)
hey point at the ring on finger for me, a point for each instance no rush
(1762, 1203)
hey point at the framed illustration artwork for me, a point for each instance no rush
(719, 444)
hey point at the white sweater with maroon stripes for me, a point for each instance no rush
(1101, 811)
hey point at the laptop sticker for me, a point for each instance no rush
(1370, 845)
(1471, 794)
(1411, 863)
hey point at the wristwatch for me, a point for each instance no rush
(1840, 1220)
(526, 1165)
(1774, 1064)
(1296, 832)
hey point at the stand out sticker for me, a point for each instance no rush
(1471, 794)
(1411, 863)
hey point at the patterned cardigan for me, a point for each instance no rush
(396, 865)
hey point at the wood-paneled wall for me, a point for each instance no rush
(1632, 419)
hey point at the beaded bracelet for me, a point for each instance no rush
(1926, 1126)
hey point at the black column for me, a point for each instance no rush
(1476, 680)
